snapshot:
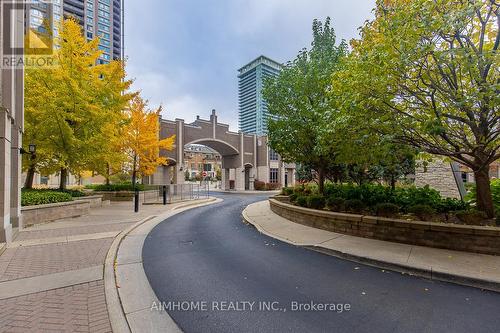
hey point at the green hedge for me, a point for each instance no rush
(404, 197)
(34, 197)
(73, 193)
(495, 192)
(379, 199)
(115, 187)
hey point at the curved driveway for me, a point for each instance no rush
(208, 256)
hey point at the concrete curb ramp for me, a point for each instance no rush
(129, 296)
(470, 269)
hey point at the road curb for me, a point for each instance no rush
(396, 267)
(114, 300)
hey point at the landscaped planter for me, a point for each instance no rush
(95, 200)
(32, 215)
(477, 239)
(128, 195)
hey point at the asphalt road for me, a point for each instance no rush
(208, 257)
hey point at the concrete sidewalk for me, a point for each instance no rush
(478, 270)
(51, 276)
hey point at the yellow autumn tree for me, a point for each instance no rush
(141, 139)
(75, 109)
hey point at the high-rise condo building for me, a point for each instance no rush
(253, 114)
(98, 18)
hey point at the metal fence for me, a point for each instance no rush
(175, 193)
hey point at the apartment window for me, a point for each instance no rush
(273, 156)
(273, 176)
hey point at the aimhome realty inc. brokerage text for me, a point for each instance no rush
(243, 306)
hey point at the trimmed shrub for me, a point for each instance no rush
(114, 187)
(287, 191)
(335, 204)
(495, 193)
(301, 201)
(299, 189)
(33, 197)
(354, 206)
(451, 205)
(471, 217)
(386, 209)
(73, 192)
(316, 202)
(293, 197)
(423, 212)
(273, 186)
(259, 186)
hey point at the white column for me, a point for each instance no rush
(5, 174)
(15, 197)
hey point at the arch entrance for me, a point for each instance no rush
(245, 157)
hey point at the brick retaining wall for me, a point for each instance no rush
(446, 236)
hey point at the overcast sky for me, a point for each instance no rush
(185, 54)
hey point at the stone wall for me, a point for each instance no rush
(438, 175)
(95, 200)
(447, 236)
(32, 215)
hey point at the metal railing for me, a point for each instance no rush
(168, 194)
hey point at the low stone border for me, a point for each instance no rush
(129, 295)
(478, 239)
(32, 215)
(95, 200)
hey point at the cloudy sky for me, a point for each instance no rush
(185, 54)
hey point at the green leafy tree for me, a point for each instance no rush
(430, 70)
(299, 103)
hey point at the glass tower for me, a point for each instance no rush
(98, 18)
(253, 112)
(103, 19)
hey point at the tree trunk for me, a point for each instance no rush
(108, 173)
(321, 180)
(63, 179)
(30, 176)
(484, 199)
(393, 182)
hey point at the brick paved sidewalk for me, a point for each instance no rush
(70, 307)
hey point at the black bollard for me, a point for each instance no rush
(164, 195)
(136, 201)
